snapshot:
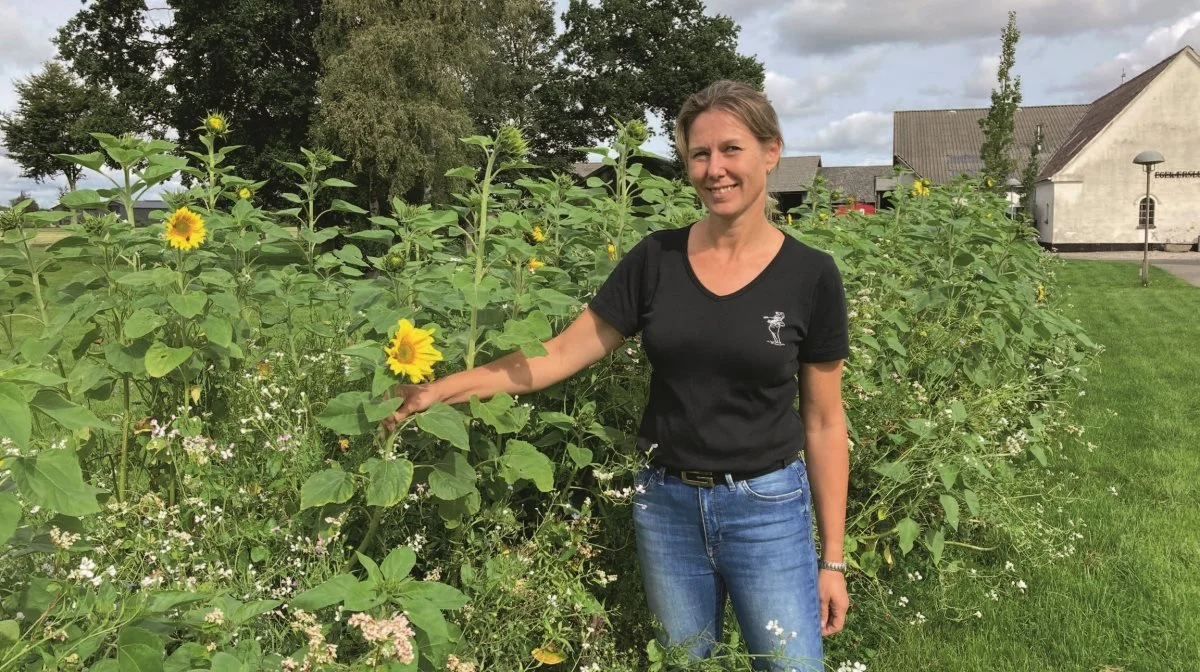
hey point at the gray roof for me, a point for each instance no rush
(794, 173)
(939, 144)
(1103, 111)
(585, 168)
(855, 181)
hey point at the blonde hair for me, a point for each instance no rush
(745, 102)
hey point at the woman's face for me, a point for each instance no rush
(727, 165)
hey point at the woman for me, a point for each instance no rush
(725, 508)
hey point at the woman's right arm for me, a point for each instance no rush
(581, 344)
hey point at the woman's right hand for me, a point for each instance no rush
(417, 398)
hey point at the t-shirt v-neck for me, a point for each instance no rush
(744, 288)
(723, 382)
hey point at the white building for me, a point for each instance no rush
(1090, 194)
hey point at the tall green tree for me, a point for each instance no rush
(116, 46)
(254, 60)
(1030, 173)
(518, 36)
(55, 114)
(999, 125)
(392, 90)
(624, 58)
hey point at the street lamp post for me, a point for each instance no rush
(1149, 159)
(1013, 185)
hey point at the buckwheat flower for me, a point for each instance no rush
(215, 616)
(1112, 489)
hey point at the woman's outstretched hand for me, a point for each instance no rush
(417, 398)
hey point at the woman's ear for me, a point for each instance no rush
(774, 147)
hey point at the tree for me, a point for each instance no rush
(1029, 175)
(33, 207)
(255, 61)
(55, 114)
(392, 90)
(1000, 123)
(115, 47)
(519, 42)
(624, 58)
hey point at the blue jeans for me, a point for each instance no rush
(749, 540)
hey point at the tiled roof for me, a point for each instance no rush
(939, 144)
(794, 173)
(1102, 112)
(585, 168)
(856, 181)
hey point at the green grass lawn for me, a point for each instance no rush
(1129, 599)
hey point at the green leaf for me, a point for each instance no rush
(92, 161)
(582, 457)
(972, 501)
(162, 359)
(373, 235)
(10, 632)
(345, 414)
(950, 507)
(224, 662)
(338, 205)
(495, 412)
(398, 564)
(188, 305)
(1039, 453)
(439, 595)
(556, 419)
(161, 602)
(70, 416)
(958, 412)
(83, 198)
(335, 182)
(464, 172)
(452, 478)
(522, 461)
(390, 481)
(374, 575)
(949, 475)
(921, 427)
(908, 530)
(54, 481)
(16, 421)
(139, 650)
(325, 595)
(896, 471)
(376, 412)
(217, 330)
(331, 486)
(937, 544)
(10, 516)
(895, 345)
(142, 322)
(363, 596)
(252, 609)
(447, 423)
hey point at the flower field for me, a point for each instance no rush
(195, 474)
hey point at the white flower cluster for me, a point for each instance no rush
(848, 666)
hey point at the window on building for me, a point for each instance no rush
(1146, 213)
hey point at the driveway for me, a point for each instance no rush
(1185, 265)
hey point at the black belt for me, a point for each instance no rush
(707, 479)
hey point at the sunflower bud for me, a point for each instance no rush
(323, 158)
(635, 134)
(511, 146)
(245, 193)
(394, 262)
(216, 123)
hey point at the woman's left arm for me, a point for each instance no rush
(827, 458)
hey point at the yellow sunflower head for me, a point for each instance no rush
(548, 655)
(185, 230)
(215, 122)
(534, 264)
(411, 352)
(612, 252)
(789, 219)
(538, 235)
(245, 193)
(920, 187)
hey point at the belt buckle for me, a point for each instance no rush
(703, 479)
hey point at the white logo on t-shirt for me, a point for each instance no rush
(774, 324)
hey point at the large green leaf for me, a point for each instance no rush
(217, 330)
(390, 480)
(439, 595)
(495, 412)
(950, 507)
(446, 422)
(70, 416)
(452, 478)
(325, 595)
(398, 563)
(522, 461)
(10, 516)
(16, 421)
(142, 322)
(345, 414)
(188, 305)
(908, 530)
(331, 486)
(225, 662)
(54, 481)
(162, 359)
(139, 650)
(896, 471)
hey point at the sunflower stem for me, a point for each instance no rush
(480, 241)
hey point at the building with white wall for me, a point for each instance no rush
(1089, 194)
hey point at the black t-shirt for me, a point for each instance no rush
(723, 381)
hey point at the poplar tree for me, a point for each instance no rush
(1000, 123)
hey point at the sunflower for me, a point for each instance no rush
(1041, 293)
(245, 193)
(920, 188)
(538, 235)
(185, 230)
(215, 122)
(548, 655)
(612, 252)
(534, 264)
(789, 219)
(411, 352)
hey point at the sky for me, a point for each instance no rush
(836, 69)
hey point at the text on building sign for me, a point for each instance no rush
(1178, 173)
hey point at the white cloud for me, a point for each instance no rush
(835, 26)
(1159, 44)
(808, 91)
(860, 134)
(978, 87)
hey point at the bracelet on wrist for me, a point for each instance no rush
(833, 566)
